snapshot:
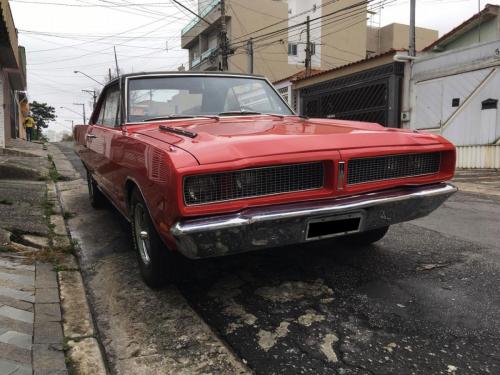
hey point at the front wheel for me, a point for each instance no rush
(366, 238)
(156, 262)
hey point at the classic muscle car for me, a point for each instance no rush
(212, 164)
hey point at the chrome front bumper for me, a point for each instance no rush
(279, 225)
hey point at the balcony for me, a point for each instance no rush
(203, 13)
(190, 33)
(203, 62)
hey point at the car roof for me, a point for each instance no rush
(185, 73)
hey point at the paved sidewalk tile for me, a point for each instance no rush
(47, 312)
(48, 333)
(16, 314)
(22, 305)
(17, 294)
(15, 354)
(14, 265)
(48, 357)
(47, 295)
(13, 368)
(46, 277)
(18, 339)
(30, 274)
(16, 278)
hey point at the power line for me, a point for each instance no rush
(87, 54)
(283, 20)
(352, 13)
(190, 11)
(92, 5)
(280, 31)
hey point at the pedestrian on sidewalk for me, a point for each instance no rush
(29, 123)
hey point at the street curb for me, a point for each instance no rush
(82, 349)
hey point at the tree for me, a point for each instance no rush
(43, 114)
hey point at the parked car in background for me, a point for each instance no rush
(213, 164)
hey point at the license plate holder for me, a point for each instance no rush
(333, 226)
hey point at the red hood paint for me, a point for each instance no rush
(234, 138)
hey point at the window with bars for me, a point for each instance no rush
(284, 93)
(292, 49)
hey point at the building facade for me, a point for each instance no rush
(396, 36)
(12, 77)
(337, 36)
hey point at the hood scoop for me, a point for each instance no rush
(178, 131)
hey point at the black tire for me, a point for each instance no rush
(97, 198)
(366, 238)
(158, 265)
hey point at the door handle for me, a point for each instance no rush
(92, 136)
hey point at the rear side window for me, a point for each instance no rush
(111, 113)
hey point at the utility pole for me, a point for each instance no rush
(116, 63)
(94, 95)
(250, 55)
(411, 47)
(110, 76)
(224, 49)
(308, 47)
(84, 116)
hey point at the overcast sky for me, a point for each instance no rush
(80, 36)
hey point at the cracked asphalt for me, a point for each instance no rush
(424, 300)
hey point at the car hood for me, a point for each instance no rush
(233, 139)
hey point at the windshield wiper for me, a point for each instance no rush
(249, 113)
(239, 113)
(169, 117)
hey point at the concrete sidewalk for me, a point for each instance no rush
(31, 335)
(479, 181)
(40, 283)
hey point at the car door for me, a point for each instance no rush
(100, 139)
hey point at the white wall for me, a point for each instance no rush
(471, 75)
(478, 157)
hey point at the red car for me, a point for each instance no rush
(212, 164)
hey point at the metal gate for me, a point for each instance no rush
(372, 95)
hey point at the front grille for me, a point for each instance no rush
(254, 182)
(393, 166)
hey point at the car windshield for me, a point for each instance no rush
(178, 96)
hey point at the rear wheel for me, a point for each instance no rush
(156, 263)
(97, 198)
(366, 238)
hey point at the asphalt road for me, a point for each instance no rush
(424, 300)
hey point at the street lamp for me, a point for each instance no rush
(86, 75)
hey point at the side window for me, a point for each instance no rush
(100, 118)
(100, 110)
(111, 113)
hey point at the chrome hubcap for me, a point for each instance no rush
(141, 233)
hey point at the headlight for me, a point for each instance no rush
(200, 189)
